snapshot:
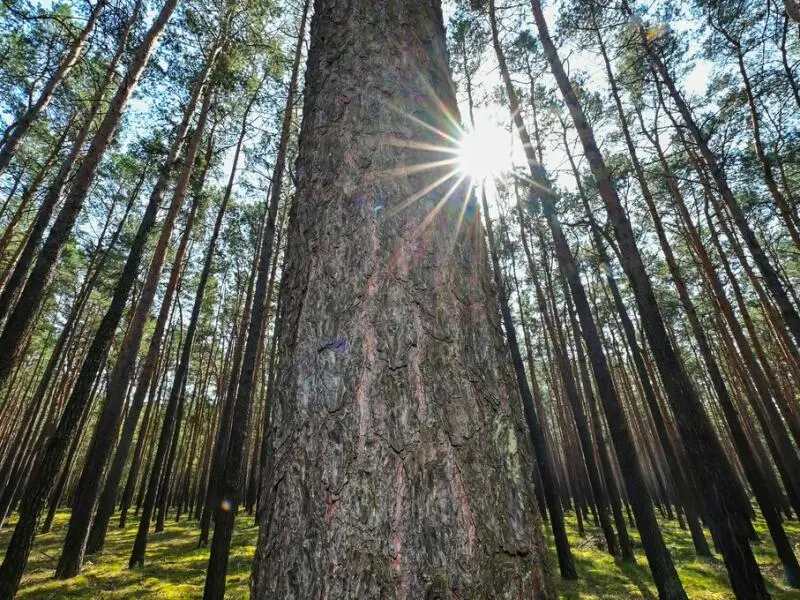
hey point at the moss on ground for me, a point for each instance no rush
(602, 576)
(175, 567)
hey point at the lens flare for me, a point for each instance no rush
(484, 152)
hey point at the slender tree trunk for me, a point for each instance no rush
(689, 502)
(569, 384)
(710, 467)
(11, 141)
(625, 546)
(768, 271)
(261, 445)
(11, 193)
(270, 397)
(105, 505)
(27, 197)
(30, 248)
(157, 384)
(58, 492)
(22, 540)
(223, 430)
(108, 421)
(171, 425)
(57, 354)
(766, 163)
(19, 323)
(659, 559)
(240, 416)
(565, 561)
(787, 68)
(743, 448)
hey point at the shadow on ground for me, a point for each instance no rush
(175, 566)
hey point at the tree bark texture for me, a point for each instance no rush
(397, 463)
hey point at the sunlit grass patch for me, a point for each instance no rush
(603, 577)
(175, 566)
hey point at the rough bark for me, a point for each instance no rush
(395, 433)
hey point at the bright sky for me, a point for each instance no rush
(494, 148)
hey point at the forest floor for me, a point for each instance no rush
(175, 567)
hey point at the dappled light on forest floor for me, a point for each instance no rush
(176, 566)
(604, 577)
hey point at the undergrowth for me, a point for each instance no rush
(175, 566)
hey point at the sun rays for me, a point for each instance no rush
(456, 160)
(484, 152)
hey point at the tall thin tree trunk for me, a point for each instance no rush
(156, 385)
(19, 548)
(108, 422)
(225, 513)
(768, 271)
(565, 561)
(700, 544)
(710, 467)
(12, 139)
(734, 421)
(16, 278)
(18, 324)
(222, 434)
(26, 198)
(659, 559)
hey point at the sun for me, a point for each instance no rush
(484, 152)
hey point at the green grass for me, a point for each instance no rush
(602, 576)
(175, 567)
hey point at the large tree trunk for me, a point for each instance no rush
(398, 465)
